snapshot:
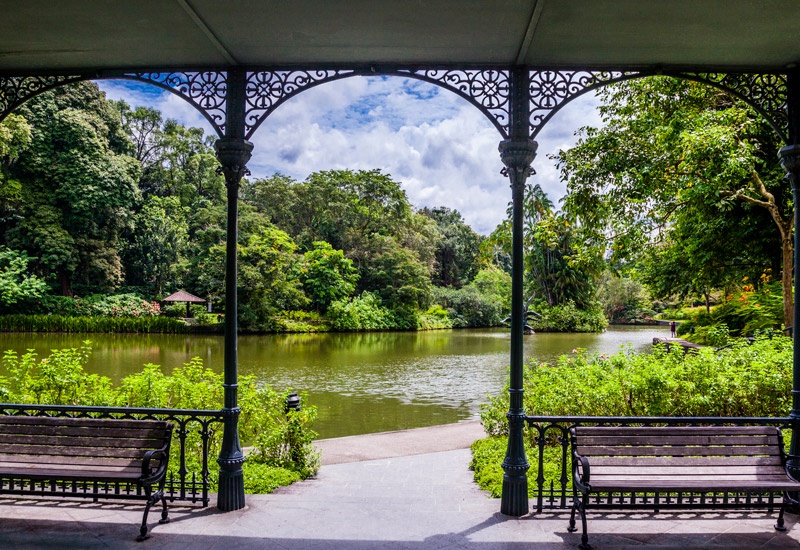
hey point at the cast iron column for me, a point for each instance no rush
(517, 154)
(790, 161)
(233, 152)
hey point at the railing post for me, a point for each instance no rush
(517, 154)
(233, 152)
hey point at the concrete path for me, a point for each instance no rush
(420, 501)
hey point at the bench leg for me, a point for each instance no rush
(164, 516)
(779, 526)
(580, 505)
(151, 499)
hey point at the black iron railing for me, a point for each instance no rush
(188, 477)
(551, 463)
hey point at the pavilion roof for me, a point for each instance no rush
(126, 34)
(183, 296)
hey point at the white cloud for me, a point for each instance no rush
(440, 148)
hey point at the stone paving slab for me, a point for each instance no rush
(422, 501)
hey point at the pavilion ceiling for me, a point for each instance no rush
(83, 35)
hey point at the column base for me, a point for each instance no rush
(231, 490)
(514, 501)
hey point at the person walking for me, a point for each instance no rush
(672, 329)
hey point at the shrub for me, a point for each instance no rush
(435, 318)
(468, 307)
(281, 441)
(568, 318)
(363, 312)
(742, 380)
(59, 323)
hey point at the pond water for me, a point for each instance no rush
(361, 382)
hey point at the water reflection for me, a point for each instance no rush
(362, 383)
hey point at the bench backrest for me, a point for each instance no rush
(115, 445)
(704, 452)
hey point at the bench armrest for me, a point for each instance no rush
(581, 480)
(152, 475)
(786, 458)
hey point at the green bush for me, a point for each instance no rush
(436, 317)
(468, 307)
(568, 318)
(363, 312)
(742, 380)
(743, 313)
(281, 449)
(59, 323)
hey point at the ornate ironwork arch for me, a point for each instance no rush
(551, 90)
(16, 90)
(766, 93)
(205, 90)
(486, 89)
(266, 90)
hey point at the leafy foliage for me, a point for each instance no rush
(282, 451)
(676, 165)
(17, 285)
(742, 380)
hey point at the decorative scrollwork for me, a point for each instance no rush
(766, 93)
(488, 89)
(15, 90)
(266, 90)
(206, 90)
(551, 90)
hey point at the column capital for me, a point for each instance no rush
(790, 159)
(233, 155)
(517, 153)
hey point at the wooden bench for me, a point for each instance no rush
(664, 462)
(71, 457)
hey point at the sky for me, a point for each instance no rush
(442, 150)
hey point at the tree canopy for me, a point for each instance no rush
(676, 166)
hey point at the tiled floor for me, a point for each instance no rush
(425, 501)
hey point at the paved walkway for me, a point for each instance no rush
(424, 500)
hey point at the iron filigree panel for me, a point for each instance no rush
(551, 90)
(266, 90)
(766, 93)
(487, 89)
(15, 90)
(206, 90)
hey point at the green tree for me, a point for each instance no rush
(17, 284)
(457, 248)
(79, 182)
(156, 245)
(328, 275)
(675, 161)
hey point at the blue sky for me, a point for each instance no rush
(441, 149)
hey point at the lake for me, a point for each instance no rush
(361, 382)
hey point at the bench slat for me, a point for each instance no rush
(38, 450)
(679, 440)
(691, 461)
(88, 422)
(70, 431)
(70, 475)
(6, 460)
(79, 441)
(732, 486)
(658, 472)
(657, 450)
(584, 431)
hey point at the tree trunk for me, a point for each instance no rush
(787, 259)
